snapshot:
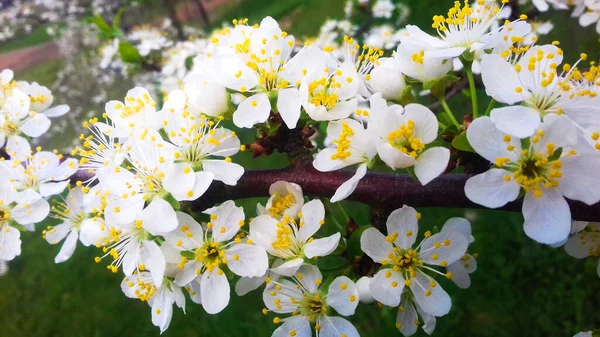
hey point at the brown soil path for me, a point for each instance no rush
(27, 57)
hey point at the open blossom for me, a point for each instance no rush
(461, 268)
(540, 170)
(585, 243)
(403, 139)
(205, 94)
(292, 240)
(78, 222)
(535, 83)
(419, 64)
(160, 296)
(260, 67)
(404, 267)
(137, 113)
(310, 306)
(286, 199)
(465, 28)
(592, 15)
(206, 252)
(202, 150)
(146, 39)
(24, 209)
(42, 172)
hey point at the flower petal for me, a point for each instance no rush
(252, 110)
(431, 163)
(548, 218)
(159, 217)
(322, 247)
(404, 223)
(298, 324)
(214, 289)
(386, 287)
(491, 189)
(350, 185)
(343, 296)
(579, 179)
(443, 248)
(313, 215)
(430, 295)
(336, 327)
(288, 104)
(247, 260)
(68, 247)
(375, 244)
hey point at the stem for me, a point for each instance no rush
(490, 107)
(473, 91)
(448, 111)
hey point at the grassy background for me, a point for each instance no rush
(520, 289)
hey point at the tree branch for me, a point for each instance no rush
(382, 190)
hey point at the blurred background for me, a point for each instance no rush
(521, 288)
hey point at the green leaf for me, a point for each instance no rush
(128, 53)
(354, 243)
(468, 57)
(461, 143)
(101, 23)
(556, 154)
(117, 20)
(189, 63)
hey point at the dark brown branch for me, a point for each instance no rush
(382, 190)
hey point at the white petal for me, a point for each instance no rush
(35, 212)
(387, 290)
(176, 180)
(322, 247)
(58, 232)
(343, 296)
(215, 291)
(491, 189)
(57, 111)
(431, 163)
(313, 215)
(288, 104)
(228, 173)
(288, 268)
(434, 300)
(501, 80)
(443, 248)
(429, 320)
(518, 121)
(159, 217)
(374, 244)
(589, 18)
(364, 293)
(229, 217)
(252, 260)
(489, 142)
(68, 247)
(18, 148)
(460, 225)
(151, 256)
(426, 124)
(350, 185)
(48, 189)
(309, 277)
(548, 218)
(407, 316)
(246, 284)
(403, 221)
(336, 327)
(201, 184)
(580, 178)
(11, 243)
(36, 125)
(299, 324)
(252, 110)
(162, 310)
(582, 244)
(393, 157)
(188, 274)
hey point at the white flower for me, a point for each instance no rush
(286, 199)
(329, 93)
(76, 216)
(544, 5)
(148, 39)
(204, 92)
(22, 209)
(42, 173)
(592, 15)
(132, 245)
(312, 306)
(261, 67)
(465, 29)
(383, 9)
(419, 64)
(584, 334)
(585, 243)
(535, 82)
(291, 240)
(204, 256)
(136, 114)
(387, 79)
(539, 170)
(203, 151)
(108, 52)
(403, 140)
(461, 268)
(384, 36)
(404, 266)
(160, 296)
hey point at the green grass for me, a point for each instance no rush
(36, 37)
(521, 288)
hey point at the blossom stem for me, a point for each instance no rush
(490, 107)
(473, 91)
(448, 111)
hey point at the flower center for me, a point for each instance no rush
(144, 291)
(343, 143)
(312, 306)
(323, 92)
(9, 128)
(286, 244)
(211, 254)
(280, 204)
(404, 139)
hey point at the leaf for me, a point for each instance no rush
(461, 143)
(189, 63)
(101, 23)
(354, 242)
(117, 20)
(129, 53)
